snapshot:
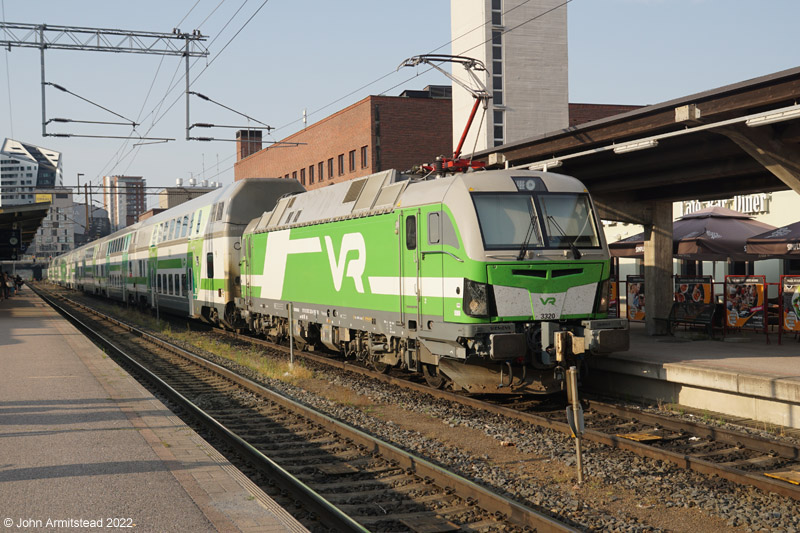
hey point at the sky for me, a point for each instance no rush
(321, 56)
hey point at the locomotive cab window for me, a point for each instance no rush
(568, 219)
(507, 219)
(544, 220)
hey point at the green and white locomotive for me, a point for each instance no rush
(492, 281)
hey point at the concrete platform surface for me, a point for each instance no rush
(741, 375)
(82, 441)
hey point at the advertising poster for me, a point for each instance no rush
(693, 299)
(791, 303)
(613, 299)
(636, 298)
(744, 301)
(695, 289)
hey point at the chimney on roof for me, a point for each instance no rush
(248, 142)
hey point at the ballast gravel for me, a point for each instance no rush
(743, 508)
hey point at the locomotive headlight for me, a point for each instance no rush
(603, 297)
(476, 298)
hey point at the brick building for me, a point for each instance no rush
(377, 133)
(374, 134)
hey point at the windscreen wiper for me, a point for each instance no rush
(574, 249)
(531, 228)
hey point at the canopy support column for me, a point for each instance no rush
(658, 268)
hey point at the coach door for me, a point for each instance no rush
(410, 312)
(429, 235)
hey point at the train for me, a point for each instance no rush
(488, 282)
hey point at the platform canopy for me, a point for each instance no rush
(18, 226)
(711, 234)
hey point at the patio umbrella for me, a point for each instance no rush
(780, 242)
(711, 234)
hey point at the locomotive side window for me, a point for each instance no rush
(210, 265)
(411, 233)
(434, 228)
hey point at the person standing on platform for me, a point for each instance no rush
(18, 283)
(4, 285)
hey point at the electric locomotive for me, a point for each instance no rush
(494, 281)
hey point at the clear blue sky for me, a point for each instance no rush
(312, 54)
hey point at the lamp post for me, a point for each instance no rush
(87, 203)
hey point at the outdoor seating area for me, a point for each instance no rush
(739, 302)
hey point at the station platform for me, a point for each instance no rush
(740, 376)
(83, 445)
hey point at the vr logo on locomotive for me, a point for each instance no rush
(280, 246)
(355, 267)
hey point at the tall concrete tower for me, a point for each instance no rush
(526, 68)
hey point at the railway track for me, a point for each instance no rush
(767, 464)
(342, 477)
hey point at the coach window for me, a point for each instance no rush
(411, 232)
(199, 219)
(169, 284)
(159, 283)
(171, 234)
(184, 286)
(185, 226)
(191, 224)
(210, 265)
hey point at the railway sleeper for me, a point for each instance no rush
(354, 485)
(344, 497)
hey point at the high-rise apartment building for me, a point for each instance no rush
(524, 47)
(124, 199)
(24, 168)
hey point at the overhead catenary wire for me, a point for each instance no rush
(201, 72)
(487, 22)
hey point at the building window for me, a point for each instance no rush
(497, 12)
(302, 176)
(311, 175)
(364, 161)
(286, 177)
(352, 160)
(330, 168)
(497, 66)
(321, 170)
(341, 164)
(499, 126)
(294, 175)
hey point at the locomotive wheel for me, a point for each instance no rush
(383, 368)
(432, 376)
